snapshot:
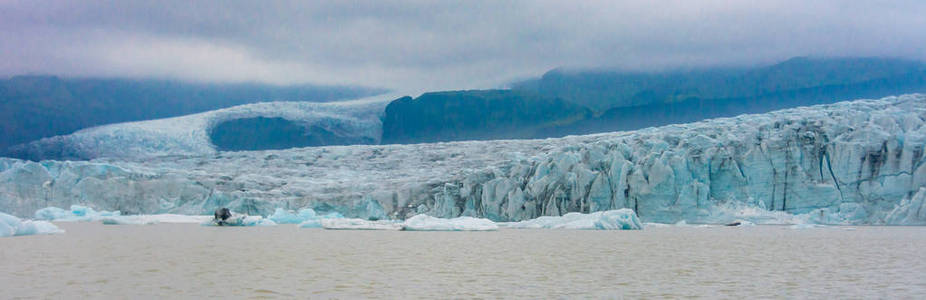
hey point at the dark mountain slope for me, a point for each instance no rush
(476, 115)
(603, 90)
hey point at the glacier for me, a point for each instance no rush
(189, 135)
(848, 163)
(13, 226)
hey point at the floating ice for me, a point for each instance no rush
(741, 223)
(358, 224)
(429, 223)
(315, 222)
(806, 226)
(77, 213)
(242, 220)
(621, 219)
(282, 216)
(153, 219)
(13, 226)
(128, 220)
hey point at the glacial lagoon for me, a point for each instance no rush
(674, 261)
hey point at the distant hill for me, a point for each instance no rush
(476, 115)
(563, 103)
(34, 107)
(816, 79)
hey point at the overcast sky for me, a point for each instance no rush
(436, 45)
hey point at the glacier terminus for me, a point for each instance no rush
(855, 162)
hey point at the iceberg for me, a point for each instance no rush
(241, 220)
(13, 226)
(303, 216)
(129, 220)
(621, 219)
(153, 219)
(76, 214)
(315, 221)
(358, 224)
(282, 216)
(429, 223)
(849, 163)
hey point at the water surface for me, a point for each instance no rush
(187, 260)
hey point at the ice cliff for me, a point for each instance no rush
(858, 162)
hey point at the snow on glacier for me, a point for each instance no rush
(857, 162)
(13, 226)
(189, 135)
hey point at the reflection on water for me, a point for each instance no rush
(284, 261)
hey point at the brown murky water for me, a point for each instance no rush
(189, 261)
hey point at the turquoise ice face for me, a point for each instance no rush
(856, 162)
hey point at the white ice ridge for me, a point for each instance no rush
(308, 218)
(416, 223)
(13, 226)
(429, 223)
(80, 213)
(76, 214)
(241, 220)
(621, 219)
(858, 162)
(189, 135)
(356, 224)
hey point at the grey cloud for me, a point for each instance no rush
(427, 45)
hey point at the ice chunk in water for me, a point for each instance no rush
(315, 222)
(358, 224)
(620, 219)
(154, 219)
(282, 216)
(242, 220)
(429, 223)
(77, 213)
(13, 226)
(129, 220)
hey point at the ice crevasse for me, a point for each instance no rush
(855, 162)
